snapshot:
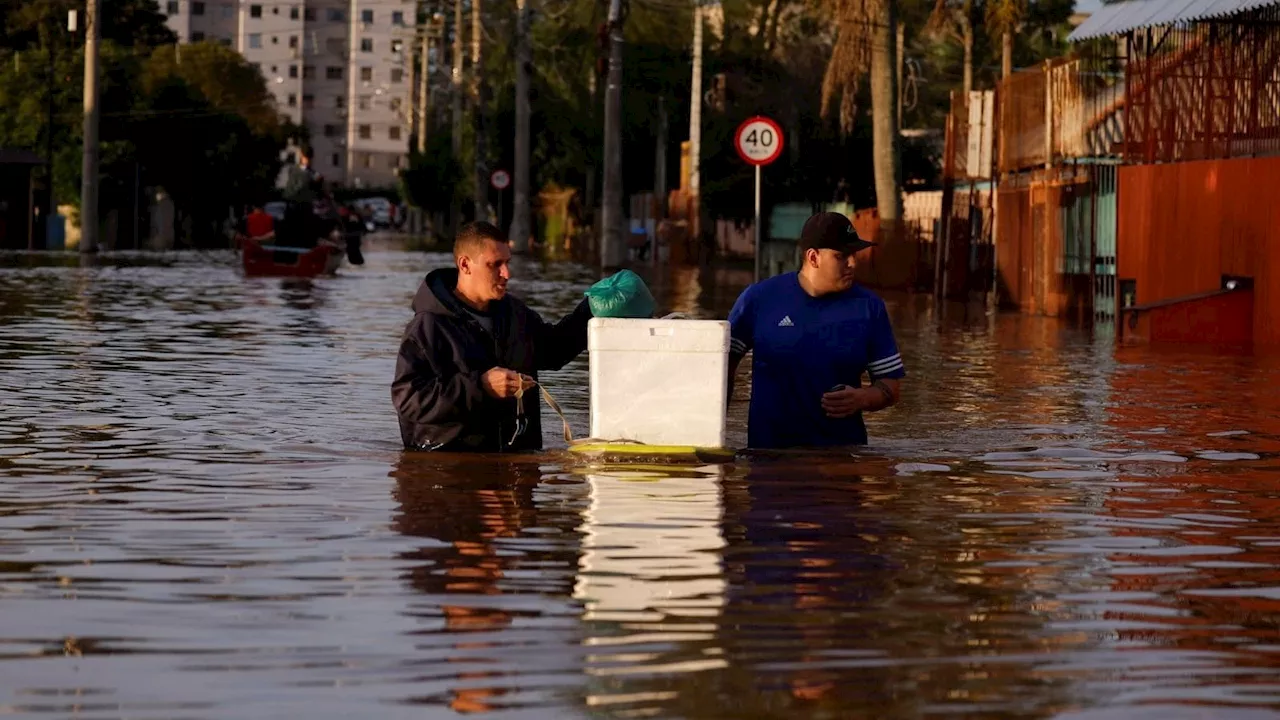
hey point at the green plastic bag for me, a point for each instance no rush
(621, 295)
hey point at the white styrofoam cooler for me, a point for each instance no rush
(659, 382)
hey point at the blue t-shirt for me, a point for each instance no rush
(802, 346)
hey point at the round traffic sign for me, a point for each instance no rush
(758, 140)
(500, 179)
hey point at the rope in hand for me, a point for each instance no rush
(521, 423)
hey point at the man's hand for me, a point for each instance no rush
(846, 401)
(503, 383)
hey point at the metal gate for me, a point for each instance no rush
(1104, 241)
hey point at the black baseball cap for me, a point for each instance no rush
(831, 231)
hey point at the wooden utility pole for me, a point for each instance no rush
(521, 220)
(89, 163)
(613, 249)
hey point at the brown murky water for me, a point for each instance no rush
(205, 512)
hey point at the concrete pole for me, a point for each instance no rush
(695, 104)
(353, 77)
(89, 166)
(424, 83)
(613, 245)
(481, 181)
(521, 200)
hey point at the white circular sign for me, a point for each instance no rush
(500, 179)
(759, 140)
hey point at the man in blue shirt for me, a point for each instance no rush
(812, 335)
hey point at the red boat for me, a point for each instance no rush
(280, 261)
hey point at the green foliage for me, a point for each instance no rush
(433, 178)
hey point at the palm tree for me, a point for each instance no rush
(1003, 19)
(956, 18)
(865, 43)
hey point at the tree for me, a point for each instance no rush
(866, 39)
(956, 19)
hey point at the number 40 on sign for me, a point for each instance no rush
(759, 142)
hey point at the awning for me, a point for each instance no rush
(1120, 18)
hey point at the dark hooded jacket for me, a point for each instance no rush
(445, 351)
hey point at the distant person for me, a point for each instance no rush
(259, 226)
(813, 334)
(353, 233)
(470, 347)
(302, 188)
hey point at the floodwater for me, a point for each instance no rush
(205, 513)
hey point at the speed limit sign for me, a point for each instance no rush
(758, 141)
(500, 179)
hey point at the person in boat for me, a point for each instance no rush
(471, 347)
(259, 226)
(302, 188)
(813, 334)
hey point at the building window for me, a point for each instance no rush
(397, 75)
(309, 14)
(293, 42)
(340, 102)
(363, 102)
(171, 7)
(333, 73)
(397, 18)
(293, 100)
(226, 41)
(397, 162)
(395, 104)
(293, 71)
(366, 45)
(335, 46)
(308, 72)
(197, 36)
(197, 8)
(366, 74)
(366, 16)
(336, 15)
(293, 13)
(366, 132)
(275, 40)
(336, 160)
(255, 40)
(367, 160)
(331, 131)
(308, 101)
(393, 132)
(275, 11)
(397, 46)
(255, 11)
(228, 10)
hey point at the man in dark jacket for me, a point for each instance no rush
(470, 347)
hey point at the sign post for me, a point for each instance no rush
(500, 180)
(758, 142)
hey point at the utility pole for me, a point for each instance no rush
(521, 222)
(353, 100)
(424, 81)
(613, 245)
(660, 159)
(456, 78)
(89, 165)
(481, 185)
(695, 102)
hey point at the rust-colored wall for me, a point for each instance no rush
(1030, 252)
(1182, 226)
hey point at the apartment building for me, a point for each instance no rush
(343, 68)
